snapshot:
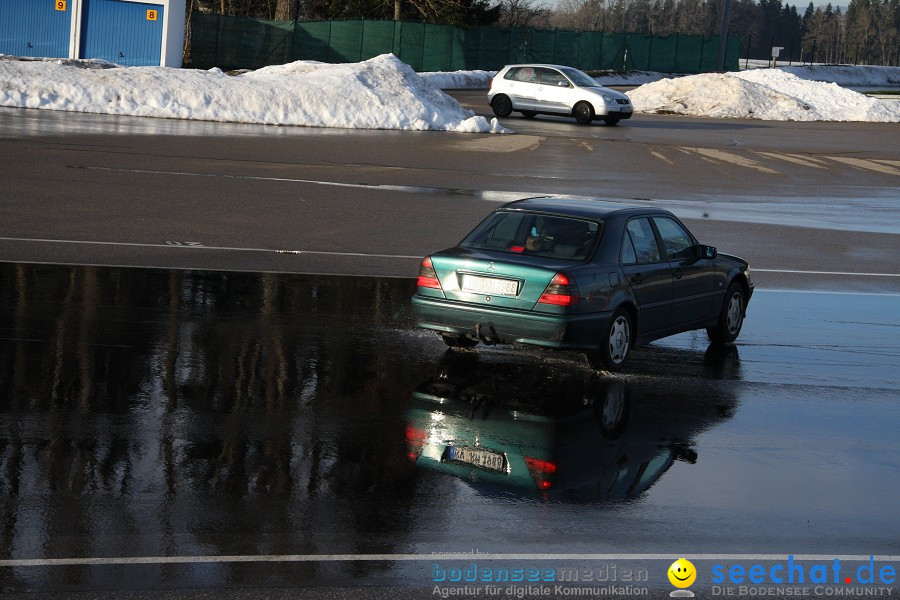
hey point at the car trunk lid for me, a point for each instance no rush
(494, 279)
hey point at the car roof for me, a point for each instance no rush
(592, 208)
(539, 65)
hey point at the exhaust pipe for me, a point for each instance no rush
(484, 339)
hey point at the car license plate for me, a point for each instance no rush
(492, 461)
(489, 285)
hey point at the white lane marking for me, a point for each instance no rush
(155, 560)
(661, 157)
(227, 176)
(830, 292)
(195, 248)
(488, 195)
(845, 273)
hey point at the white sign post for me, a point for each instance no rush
(776, 50)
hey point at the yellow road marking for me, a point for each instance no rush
(868, 165)
(896, 163)
(735, 159)
(797, 159)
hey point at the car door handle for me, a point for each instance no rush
(637, 278)
(678, 274)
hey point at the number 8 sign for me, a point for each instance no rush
(152, 15)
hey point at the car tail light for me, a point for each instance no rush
(491, 84)
(427, 276)
(415, 440)
(541, 471)
(560, 292)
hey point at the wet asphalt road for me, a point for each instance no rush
(160, 413)
(818, 198)
(206, 432)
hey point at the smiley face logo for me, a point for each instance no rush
(682, 573)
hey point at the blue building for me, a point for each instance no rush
(126, 32)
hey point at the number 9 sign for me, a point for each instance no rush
(61, 5)
(152, 15)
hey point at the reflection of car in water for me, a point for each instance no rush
(558, 430)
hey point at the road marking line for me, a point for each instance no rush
(362, 254)
(656, 154)
(156, 560)
(847, 273)
(803, 161)
(392, 188)
(868, 165)
(197, 248)
(488, 195)
(735, 159)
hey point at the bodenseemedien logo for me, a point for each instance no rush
(682, 574)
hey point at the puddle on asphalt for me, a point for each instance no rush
(161, 412)
(510, 426)
(240, 382)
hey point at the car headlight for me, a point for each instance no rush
(749, 277)
(608, 99)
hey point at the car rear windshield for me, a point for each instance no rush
(535, 234)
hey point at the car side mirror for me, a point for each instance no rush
(562, 84)
(708, 252)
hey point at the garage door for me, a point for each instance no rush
(127, 33)
(35, 27)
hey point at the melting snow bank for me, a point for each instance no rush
(380, 93)
(768, 94)
(847, 75)
(459, 80)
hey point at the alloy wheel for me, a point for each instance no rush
(619, 339)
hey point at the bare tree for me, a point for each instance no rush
(580, 15)
(286, 10)
(521, 13)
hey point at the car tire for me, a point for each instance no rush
(529, 114)
(611, 411)
(616, 343)
(611, 120)
(731, 316)
(583, 113)
(502, 105)
(458, 341)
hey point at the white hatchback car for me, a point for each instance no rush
(555, 90)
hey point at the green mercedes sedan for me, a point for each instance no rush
(580, 274)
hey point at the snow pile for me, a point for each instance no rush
(380, 93)
(81, 63)
(385, 93)
(847, 75)
(632, 78)
(460, 80)
(768, 94)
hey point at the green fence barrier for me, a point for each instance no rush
(241, 43)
